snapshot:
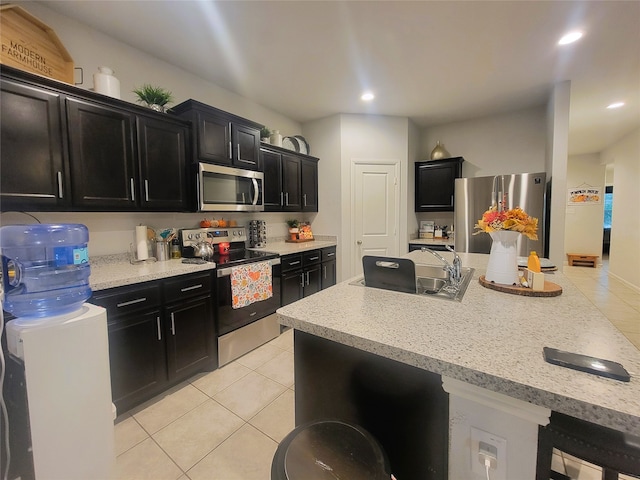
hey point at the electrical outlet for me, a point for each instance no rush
(486, 445)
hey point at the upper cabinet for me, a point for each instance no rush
(435, 184)
(290, 180)
(35, 174)
(64, 148)
(220, 137)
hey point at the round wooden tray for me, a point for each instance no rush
(550, 289)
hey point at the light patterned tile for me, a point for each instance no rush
(246, 455)
(146, 461)
(216, 381)
(191, 437)
(278, 418)
(279, 369)
(249, 395)
(259, 356)
(284, 340)
(164, 409)
(127, 434)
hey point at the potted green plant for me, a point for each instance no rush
(155, 97)
(293, 228)
(265, 134)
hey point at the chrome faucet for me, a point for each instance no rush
(454, 270)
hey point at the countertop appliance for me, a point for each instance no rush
(229, 189)
(473, 196)
(240, 330)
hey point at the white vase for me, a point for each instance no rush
(503, 259)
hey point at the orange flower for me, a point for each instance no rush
(515, 219)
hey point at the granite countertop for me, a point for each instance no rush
(285, 248)
(111, 271)
(432, 241)
(491, 339)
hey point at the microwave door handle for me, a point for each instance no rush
(256, 191)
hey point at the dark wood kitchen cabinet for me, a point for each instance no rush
(35, 175)
(290, 179)
(301, 275)
(160, 333)
(137, 352)
(435, 184)
(64, 148)
(329, 267)
(101, 155)
(220, 137)
(190, 330)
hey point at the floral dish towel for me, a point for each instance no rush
(251, 283)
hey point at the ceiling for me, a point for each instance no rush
(432, 61)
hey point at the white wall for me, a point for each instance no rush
(90, 48)
(501, 144)
(583, 223)
(556, 161)
(624, 256)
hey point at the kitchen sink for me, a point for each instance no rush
(435, 283)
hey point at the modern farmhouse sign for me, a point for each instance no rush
(29, 44)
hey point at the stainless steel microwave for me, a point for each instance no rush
(227, 189)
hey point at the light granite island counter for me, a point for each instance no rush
(487, 349)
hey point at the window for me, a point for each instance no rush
(608, 206)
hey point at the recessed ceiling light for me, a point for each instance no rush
(367, 96)
(616, 105)
(570, 38)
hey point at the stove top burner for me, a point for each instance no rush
(241, 257)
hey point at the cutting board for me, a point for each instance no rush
(550, 289)
(389, 273)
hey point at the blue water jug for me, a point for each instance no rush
(46, 268)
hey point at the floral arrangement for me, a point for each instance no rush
(515, 219)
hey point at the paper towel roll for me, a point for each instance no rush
(141, 242)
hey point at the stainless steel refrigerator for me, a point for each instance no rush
(473, 196)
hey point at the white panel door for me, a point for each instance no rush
(375, 209)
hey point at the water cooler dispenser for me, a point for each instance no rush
(59, 344)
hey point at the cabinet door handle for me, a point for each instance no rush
(302, 280)
(146, 190)
(331, 254)
(304, 199)
(159, 329)
(133, 192)
(324, 272)
(173, 325)
(131, 302)
(307, 278)
(313, 259)
(60, 190)
(238, 148)
(230, 146)
(294, 263)
(192, 287)
(452, 200)
(281, 199)
(286, 199)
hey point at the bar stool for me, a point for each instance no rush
(614, 451)
(329, 449)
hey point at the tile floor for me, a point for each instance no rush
(226, 425)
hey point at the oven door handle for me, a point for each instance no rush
(225, 272)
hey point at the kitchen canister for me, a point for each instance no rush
(276, 138)
(104, 82)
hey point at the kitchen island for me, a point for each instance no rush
(489, 344)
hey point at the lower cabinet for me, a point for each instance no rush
(160, 333)
(306, 273)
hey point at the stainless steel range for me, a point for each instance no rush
(239, 329)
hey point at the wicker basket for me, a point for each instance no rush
(30, 45)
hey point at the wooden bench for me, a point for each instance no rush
(581, 260)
